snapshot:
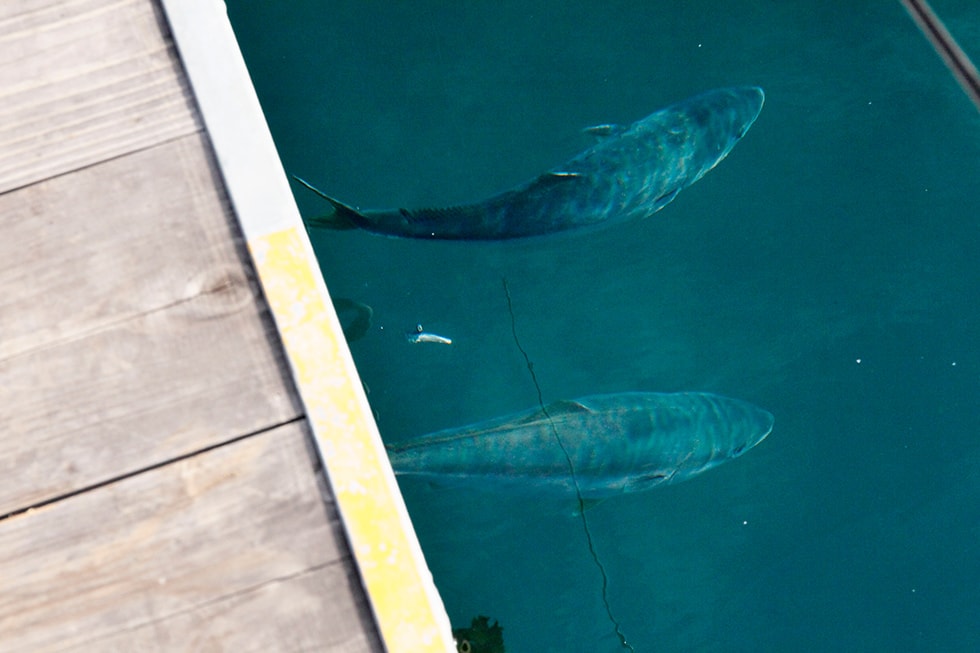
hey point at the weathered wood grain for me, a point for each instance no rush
(131, 334)
(229, 550)
(129, 330)
(136, 234)
(300, 613)
(83, 81)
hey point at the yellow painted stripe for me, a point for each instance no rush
(407, 608)
(411, 618)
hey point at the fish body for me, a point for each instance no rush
(630, 173)
(419, 334)
(425, 336)
(616, 443)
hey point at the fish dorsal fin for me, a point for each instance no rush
(552, 410)
(604, 131)
(555, 178)
(567, 407)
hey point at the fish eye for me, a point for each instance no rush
(738, 450)
(464, 647)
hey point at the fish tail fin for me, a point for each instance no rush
(343, 216)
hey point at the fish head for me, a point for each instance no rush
(744, 106)
(728, 429)
(719, 119)
(729, 112)
(754, 425)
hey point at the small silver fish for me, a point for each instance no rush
(421, 335)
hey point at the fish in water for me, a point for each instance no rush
(631, 173)
(421, 335)
(616, 443)
(355, 317)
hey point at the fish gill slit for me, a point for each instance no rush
(624, 643)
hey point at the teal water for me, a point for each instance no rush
(826, 271)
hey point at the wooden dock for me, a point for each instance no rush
(161, 488)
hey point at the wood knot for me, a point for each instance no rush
(219, 291)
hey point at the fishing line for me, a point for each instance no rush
(571, 468)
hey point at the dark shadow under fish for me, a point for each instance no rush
(631, 173)
(355, 317)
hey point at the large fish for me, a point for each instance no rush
(631, 173)
(615, 443)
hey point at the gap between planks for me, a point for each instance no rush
(135, 472)
(233, 549)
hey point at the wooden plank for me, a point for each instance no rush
(131, 331)
(84, 81)
(233, 549)
(308, 612)
(133, 235)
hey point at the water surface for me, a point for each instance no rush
(826, 271)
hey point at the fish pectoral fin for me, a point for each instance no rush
(604, 131)
(585, 504)
(667, 197)
(647, 481)
(554, 178)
